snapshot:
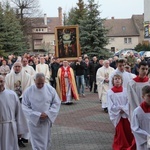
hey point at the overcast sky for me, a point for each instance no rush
(108, 8)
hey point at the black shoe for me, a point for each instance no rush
(105, 110)
(20, 143)
(24, 140)
(95, 92)
(69, 103)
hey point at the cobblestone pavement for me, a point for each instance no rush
(82, 126)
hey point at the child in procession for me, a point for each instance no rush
(118, 109)
(141, 121)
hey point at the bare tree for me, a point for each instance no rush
(25, 11)
(27, 8)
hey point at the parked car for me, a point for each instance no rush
(129, 51)
(141, 53)
(125, 52)
(146, 55)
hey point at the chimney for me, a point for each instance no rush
(60, 15)
(45, 19)
(112, 18)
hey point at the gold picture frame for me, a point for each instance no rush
(67, 42)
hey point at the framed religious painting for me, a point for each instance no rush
(67, 42)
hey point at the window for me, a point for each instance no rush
(39, 30)
(127, 40)
(37, 42)
(113, 49)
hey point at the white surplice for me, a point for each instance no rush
(43, 68)
(29, 70)
(101, 74)
(12, 120)
(135, 94)
(34, 102)
(125, 75)
(18, 83)
(141, 128)
(117, 102)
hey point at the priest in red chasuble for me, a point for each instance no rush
(135, 87)
(66, 85)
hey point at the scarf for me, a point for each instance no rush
(139, 79)
(116, 89)
(145, 107)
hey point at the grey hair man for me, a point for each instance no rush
(41, 105)
(102, 80)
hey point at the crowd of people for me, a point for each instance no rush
(42, 82)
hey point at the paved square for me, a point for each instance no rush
(82, 126)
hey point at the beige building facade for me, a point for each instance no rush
(118, 43)
(125, 33)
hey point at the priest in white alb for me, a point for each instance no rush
(27, 68)
(102, 80)
(41, 105)
(43, 68)
(18, 80)
(12, 119)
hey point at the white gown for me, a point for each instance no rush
(29, 70)
(101, 75)
(12, 120)
(116, 102)
(135, 94)
(141, 128)
(43, 68)
(34, 102)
